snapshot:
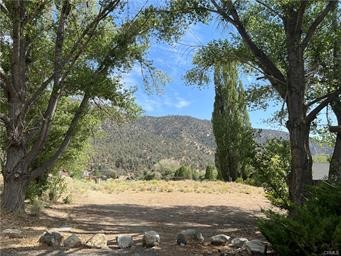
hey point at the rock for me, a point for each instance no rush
(51, 239)
(98, 241)
(220, 239)
(124, 241)
(151, 239)
(238, 242)
(189, 235)
(12, 233)
(255, 247)
(72, 241)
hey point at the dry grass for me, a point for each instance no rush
(186, 186)
(117, 207)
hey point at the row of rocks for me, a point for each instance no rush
(253, 247)
(98, 241)
(150, 239)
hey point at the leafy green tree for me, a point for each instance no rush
(271, 40)
(271, 170)
(62, 49)
(230, 121)
(326, 55)
(76, 157)
(210, 173)
(184, 172)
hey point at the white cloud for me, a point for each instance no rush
(158, 103)
(150, 105)
(181, 103)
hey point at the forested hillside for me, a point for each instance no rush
(142, 144)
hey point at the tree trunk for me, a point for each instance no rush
(335, 162)
(298, 126)
(14, 194)
(15, 180)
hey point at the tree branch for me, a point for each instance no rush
(335, 129)
(311, 30)
(331, 94)
(270, 70)
(300, 14)
(313, 113)
(4, 9)
(56, 91)
(66, 141)
(36, 12)
(36, 95)
(270, 9)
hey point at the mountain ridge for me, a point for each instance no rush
(139, 145)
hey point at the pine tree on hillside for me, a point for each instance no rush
(231, 126)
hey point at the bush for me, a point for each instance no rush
(167, 174)
(151, 175)
(272, 165)
(311, 229)
(36, 207)
(67, 199)
(210, 173)
(184, 172)
(35, 189)
(196, 175)
(56, 187)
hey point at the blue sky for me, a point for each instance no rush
(177, 98)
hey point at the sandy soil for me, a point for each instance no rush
(233, 213)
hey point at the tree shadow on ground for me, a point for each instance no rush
(114, 219)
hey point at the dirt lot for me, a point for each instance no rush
(232, 212)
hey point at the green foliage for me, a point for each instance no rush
(231, 126)
(35, 189)
(151, 175)
(69, 75)
(184, 172)
(76, 157)
(313, 228)
(272, 165)
(321, 158)
(210, 173)
(56, 187)
(67, 199)
(196, 175)
(37, 206)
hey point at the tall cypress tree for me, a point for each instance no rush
(230, 121)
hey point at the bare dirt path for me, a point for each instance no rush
(233, 213)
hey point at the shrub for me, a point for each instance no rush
(272, 165)
(67, 199)
(36, 207)
(148, 175)
(151, 175)
(167, 174)
(184, 172)
(35, 189)
(210, 173)
(196, 175)
(311, 229)
(56, 187)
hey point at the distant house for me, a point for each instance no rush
(320, 171)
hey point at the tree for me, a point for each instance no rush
(291, 26)
(324, 58)
(334, 82)
(62, 49)
(75, 159)
(231, 126)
